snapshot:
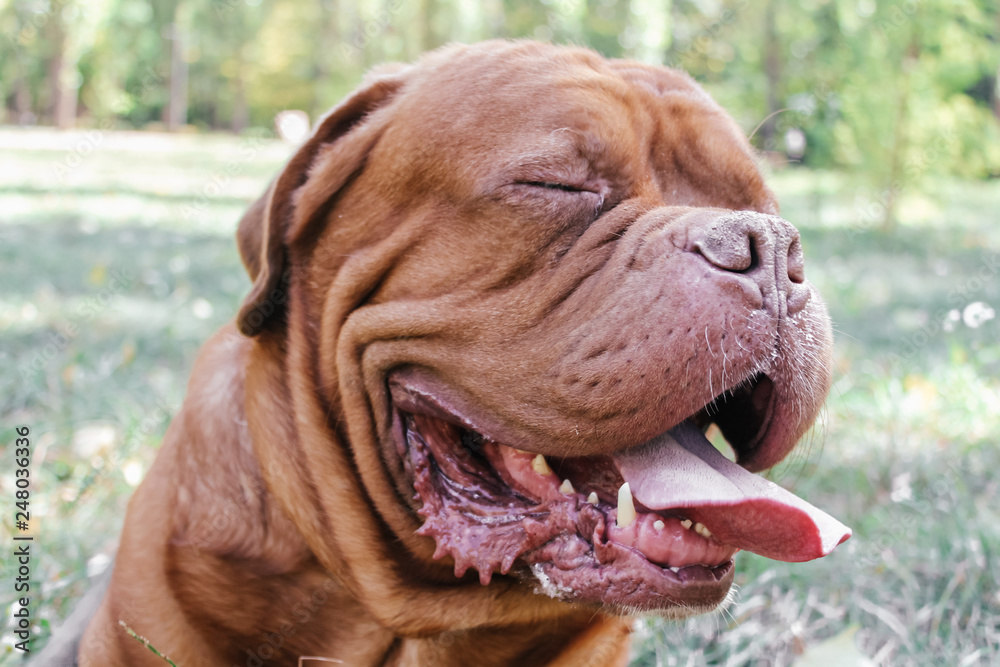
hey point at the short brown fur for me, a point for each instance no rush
(276, 522)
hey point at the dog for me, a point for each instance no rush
(498, 297)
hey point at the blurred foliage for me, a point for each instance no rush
(892, 90)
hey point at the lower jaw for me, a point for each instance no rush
(560, 545)
(573, 569)
(631, 589)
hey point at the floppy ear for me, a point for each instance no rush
(341, 141)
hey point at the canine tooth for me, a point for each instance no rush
(566, 487)
(592, 498)
(626, 508)
(540, 465)
(658, 525)
(686, 523)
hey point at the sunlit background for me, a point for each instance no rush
(134, 132)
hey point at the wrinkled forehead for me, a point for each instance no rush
(561, 113)
(492, 106)
(534, 108)
(572, 131)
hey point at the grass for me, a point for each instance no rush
(117, 261)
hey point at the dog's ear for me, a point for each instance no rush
(341, 141)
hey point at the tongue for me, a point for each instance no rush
(682, 470)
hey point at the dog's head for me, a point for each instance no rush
(516, 283)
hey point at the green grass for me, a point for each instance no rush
(131, 249)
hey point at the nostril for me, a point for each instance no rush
(796, 262)
(735, 252)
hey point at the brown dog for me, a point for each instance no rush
(497, 298)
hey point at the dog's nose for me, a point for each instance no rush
(764, 248)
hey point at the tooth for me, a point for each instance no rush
(675, 570)
(566, 487)
(540, 465)
(702, 530)
(658, 525)
(686, 523)
(592, 498)
(626, 508)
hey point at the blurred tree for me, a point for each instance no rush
(177, 105)
(905, 112)
(893, 91)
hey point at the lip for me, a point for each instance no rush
(576, 560)
(417, 390)
(649, 526)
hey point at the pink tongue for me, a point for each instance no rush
(682, 470)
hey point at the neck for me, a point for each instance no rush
(238, 542)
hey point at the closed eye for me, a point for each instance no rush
(553, 186)
(551, 193)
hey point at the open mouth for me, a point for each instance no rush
(654, 526)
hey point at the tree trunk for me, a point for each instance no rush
(57, 38)
(64, 79)
(427, 37)
(496, 18)
(177, 106)
(996, 96)
(329, 37)
(772, 76)
(241, 112)
(22, 102)
(996, 84)
(900, 139)
(67, 95)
